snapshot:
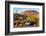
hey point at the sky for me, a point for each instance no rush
(19, 10)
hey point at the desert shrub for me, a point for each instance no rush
(33, 19)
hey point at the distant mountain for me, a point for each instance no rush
(27, 13)
(33, 11)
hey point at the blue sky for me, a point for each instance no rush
(23, 9)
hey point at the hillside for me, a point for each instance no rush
(30, 13)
